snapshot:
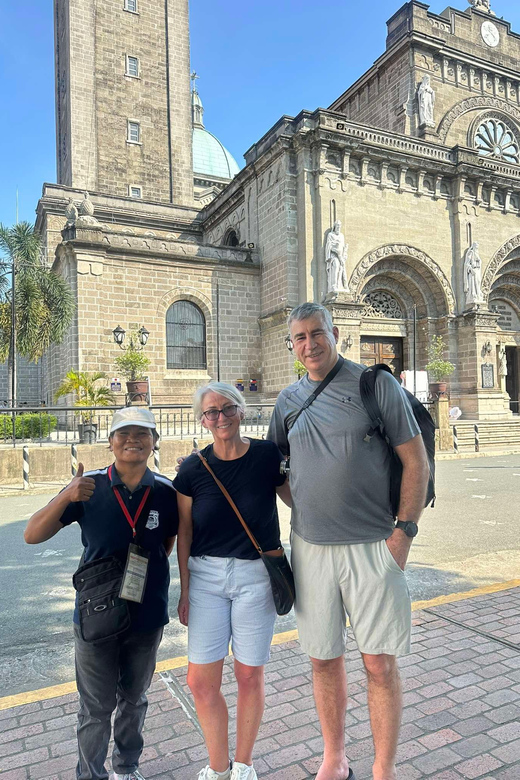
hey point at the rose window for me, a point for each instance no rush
(494, 139)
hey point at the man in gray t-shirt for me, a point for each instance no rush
(348, 555)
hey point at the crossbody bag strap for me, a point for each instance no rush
(321, 387)
(233, 505)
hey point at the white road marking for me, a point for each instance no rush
(480, 496)
(473, 479)
(490, 522)
(48, 553)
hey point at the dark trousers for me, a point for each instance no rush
(114, 674)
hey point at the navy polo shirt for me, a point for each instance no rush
(106, 531)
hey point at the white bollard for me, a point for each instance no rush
(25, 468)
(73, 459)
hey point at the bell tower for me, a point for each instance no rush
(123, 108)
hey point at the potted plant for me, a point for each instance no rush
(88, 393)
(133, 365)
(437, 367)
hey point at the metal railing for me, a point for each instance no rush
(69, 425)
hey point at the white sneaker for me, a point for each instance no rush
(209, 774)
(135, 775)
(243, 772)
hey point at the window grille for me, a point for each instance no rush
(185, 336)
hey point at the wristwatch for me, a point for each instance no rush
(409, 527)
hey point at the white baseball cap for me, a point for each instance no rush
(133, 415)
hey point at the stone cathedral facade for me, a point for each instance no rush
(398, 207)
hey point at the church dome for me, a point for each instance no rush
(210, 158)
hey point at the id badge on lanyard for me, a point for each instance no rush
(136, 569)
(136, 573)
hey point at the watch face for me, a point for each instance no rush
(490, 34)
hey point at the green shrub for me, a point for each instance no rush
(27, 425)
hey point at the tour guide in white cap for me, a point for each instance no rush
(111, 505)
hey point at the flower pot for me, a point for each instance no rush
(87, 433)
(138, 391)
(438, 389)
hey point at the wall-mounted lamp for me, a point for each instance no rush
(119, 337)
(251, 246)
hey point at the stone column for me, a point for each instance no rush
(346, 315)
(477, 340)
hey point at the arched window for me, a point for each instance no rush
(231, 238)
(185, 336)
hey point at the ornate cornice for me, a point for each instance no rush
(402, 250)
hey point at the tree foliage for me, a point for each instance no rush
(44, 303)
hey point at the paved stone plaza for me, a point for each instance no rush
(462, 708)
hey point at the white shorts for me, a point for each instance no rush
(363, 581)
(230, 600)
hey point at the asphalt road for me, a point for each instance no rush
(470, 539)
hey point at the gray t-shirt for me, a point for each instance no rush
(339, 482)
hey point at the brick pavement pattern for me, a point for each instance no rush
(461, 719)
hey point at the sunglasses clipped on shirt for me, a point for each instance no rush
(227, 411)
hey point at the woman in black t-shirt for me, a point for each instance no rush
(225, 589)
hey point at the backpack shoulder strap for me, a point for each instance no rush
(321, 387)
(367, 388)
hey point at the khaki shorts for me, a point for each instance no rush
(362, 581)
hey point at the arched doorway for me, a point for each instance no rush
(407, 299)
(504, 299)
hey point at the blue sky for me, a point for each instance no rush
(257, 60)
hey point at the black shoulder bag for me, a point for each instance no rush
(103, 614)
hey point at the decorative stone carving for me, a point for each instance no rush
(497, 261)
(381, 304)
(469, 104)
(482, 5)
(473, 275)
(335, 257)
(86, 216)
(71, 213)
(365, 264)
(426, 101)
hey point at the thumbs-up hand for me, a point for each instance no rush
(81, 488)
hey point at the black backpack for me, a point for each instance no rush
(424, 420)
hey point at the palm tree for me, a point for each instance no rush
(44, 302)
(83, 385)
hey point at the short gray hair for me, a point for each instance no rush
(306, 310)
(221, 388)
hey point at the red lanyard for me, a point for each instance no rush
(132, 522)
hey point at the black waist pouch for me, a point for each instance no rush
(103, 615)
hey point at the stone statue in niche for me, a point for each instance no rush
(502, 361)
(473, 275)
(335, 257)
(426, 101)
